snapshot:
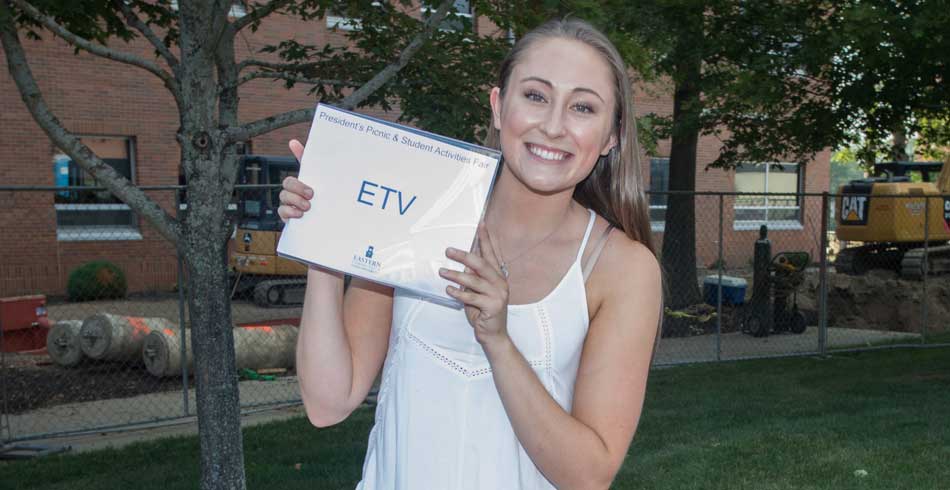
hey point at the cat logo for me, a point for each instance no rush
(854, 210)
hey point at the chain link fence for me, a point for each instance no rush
(100, 339)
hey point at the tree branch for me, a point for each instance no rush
(20, 71)
(278, 121)
(258, 14)
(280, 75)
(98, 49)
(275, 66)
(149, 34)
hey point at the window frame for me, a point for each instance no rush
(238, 8)
(658, 225)
(470, 15)
(344, 23)
(782, 224)
(78, 233)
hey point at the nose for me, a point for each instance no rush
(553, 124)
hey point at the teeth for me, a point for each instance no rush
(547, 155)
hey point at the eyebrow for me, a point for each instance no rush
(576, 89)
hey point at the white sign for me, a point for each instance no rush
(388, 200)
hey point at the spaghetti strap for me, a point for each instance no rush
(590, 226)
(598, 248)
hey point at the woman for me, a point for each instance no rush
(539, 382)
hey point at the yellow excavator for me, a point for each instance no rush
(892, 230)
(257, 271)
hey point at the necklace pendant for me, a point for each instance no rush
(504, 270)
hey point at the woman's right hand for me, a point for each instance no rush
(295, 196)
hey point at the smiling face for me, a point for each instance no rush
(556, 115)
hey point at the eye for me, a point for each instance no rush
(534, 96)
(584, 108)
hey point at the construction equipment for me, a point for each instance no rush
(257, 270)
(892, 229)
(773, 308)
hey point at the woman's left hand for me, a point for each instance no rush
(484, 289)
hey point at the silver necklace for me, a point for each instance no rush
(504, 263)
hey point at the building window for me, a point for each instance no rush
(238, 9)
(94, 215)
(659, 184)
(344, 23)
(455, 20)
(774, 211)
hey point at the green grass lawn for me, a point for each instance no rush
(804, 423)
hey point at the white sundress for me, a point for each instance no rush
(440, 423)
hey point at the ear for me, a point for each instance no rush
(495, 99)
(611, 143)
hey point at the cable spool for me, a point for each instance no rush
(161, 352)
(265, 346)
(62, 343)
(111, 337)
(255, 347)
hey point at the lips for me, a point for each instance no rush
(547, 153)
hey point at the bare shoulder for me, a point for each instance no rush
(626, 272)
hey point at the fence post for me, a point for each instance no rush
(823, 278)
(926, 267)
(181, 317)
(719, 289)
(6, 432)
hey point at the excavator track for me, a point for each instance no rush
(850, 261)
(936, 258)
(280, 292)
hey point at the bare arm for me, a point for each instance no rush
(342, 341)
(585, 448)
(341, 345)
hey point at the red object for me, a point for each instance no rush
(24, 323)
(270, 323)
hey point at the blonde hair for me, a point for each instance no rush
(614, 188)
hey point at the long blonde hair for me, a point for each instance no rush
(614, 188)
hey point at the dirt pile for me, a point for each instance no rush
(881, 300)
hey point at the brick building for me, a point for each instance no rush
(128, 118)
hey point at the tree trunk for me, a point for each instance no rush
(899, 145)
(212, 339)
(204, 150)
(679, 236)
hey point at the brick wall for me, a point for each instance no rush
(93, 96)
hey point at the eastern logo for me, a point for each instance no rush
(854, 209)
(946, 213)
(366, 261)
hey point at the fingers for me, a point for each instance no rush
(296, 148)
(467, 280)
(476, 263)
(295, 186)
(294, 199)
(471, 298)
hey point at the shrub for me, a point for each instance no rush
(99, 279)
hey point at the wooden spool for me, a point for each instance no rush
(62, 343)
(255, 347)
(111, 337)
